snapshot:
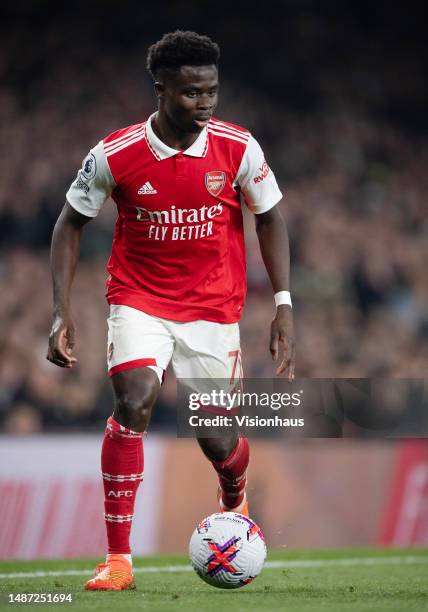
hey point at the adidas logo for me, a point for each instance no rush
(146, 189)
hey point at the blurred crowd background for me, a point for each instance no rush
(335, 94)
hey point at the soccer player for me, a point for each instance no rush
(176, 276)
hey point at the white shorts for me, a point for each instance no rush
(198, 349)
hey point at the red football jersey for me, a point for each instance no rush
(178, 250)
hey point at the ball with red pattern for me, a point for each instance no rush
(227, 550)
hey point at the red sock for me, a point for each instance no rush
(122, 463)
(232, 474)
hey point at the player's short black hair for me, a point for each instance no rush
(181, 48)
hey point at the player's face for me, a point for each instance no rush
(189, 96)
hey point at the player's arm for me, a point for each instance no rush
(88, 192)
(65, 248)
(274, 245)
(261, 194)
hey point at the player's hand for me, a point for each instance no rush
(61, 342)
(282, 333)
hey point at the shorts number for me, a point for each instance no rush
(237, 366)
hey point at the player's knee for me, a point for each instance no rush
(134, 407)
(135, 392)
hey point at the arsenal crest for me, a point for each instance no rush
(215, 182)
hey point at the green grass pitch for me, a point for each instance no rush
(359, 580)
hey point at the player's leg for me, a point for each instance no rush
(134, 339)
(122, 454)
(231, 469)
(211, 351)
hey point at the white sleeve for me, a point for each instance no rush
(257, 181)
(93, 184)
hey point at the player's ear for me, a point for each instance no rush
(159, 89)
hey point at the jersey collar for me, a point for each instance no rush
(162, 151)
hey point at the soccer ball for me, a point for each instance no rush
(227, 550)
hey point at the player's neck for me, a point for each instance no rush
(170, 135)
